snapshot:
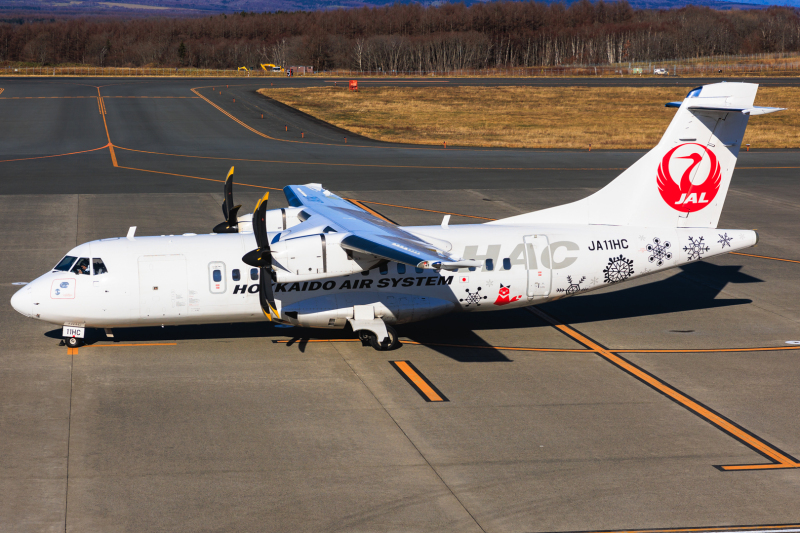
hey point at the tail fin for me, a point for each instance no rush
(683, 181)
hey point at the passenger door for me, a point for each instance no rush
(162, 286)
(537, 255)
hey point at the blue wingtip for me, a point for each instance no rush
(673, 104)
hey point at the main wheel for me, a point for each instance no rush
(73, 342)
(390, 344)
(365, 337)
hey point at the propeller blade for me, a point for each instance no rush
(229, 211)
(260, 223)
(261, 257)
(266, 295)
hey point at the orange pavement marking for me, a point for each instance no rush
(54, 155)
(713, 350)
(421, 384)
(105, 125)
(704, 529)
(481, 347)
(765, 257)
(198, 178)
(359, 165)
(120, 345)
(782, 459)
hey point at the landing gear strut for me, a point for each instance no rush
(390, 343)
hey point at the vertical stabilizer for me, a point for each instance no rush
(683, 181)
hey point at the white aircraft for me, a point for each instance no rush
(326, 263)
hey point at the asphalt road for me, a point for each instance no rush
(257, 428)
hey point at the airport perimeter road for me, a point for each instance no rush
(669, 403)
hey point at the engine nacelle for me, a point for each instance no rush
(277, 219)
(315, 256)
(332, 311)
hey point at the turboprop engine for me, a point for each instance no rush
(276, 219)
(315, 256)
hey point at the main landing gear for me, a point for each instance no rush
(391, 341)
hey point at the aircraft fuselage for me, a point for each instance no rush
(199, 279)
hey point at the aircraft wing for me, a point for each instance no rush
(365, 233)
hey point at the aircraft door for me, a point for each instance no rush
(162, 286)
(538, 261)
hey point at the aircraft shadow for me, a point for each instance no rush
(694, 287)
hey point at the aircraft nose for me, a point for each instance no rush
(22, 301)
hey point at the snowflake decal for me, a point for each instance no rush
(696, 248)
(618, 269)
(573, 287)
(724, 240)
(594, 281)
(473, 298)
(658, 251)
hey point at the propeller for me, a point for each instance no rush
(261, 258)
(229, 211)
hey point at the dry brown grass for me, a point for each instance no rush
(525, 117)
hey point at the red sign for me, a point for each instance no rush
(353, 85)
(691, 193)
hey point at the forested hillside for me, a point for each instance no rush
(410, 37)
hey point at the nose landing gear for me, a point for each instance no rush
(73, 342)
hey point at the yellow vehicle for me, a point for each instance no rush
(269, 67)
(244, 69)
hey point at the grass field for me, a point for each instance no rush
(526, 117)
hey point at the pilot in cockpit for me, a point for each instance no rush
(82, 267)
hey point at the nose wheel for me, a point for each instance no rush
(389, 343)
(73, 342)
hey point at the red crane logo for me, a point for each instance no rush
(689, 194)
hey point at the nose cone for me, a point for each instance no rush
(22, 301)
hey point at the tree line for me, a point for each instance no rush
(409, 37)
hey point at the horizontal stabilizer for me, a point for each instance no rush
(751, 110)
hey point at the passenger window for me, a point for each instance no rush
(254, 274)
(490, 264)
(401, 268)
(384, 269)
(217, 277)
(418, 270)
(82, 266)
(506, 264)
(65, 263)
(235, 274)
(472, 269)
(98, 266)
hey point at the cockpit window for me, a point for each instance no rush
(65, 263)
(98, 266)
(82, 266)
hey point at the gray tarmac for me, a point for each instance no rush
(256, 428)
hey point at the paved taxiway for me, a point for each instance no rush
(624, 415)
